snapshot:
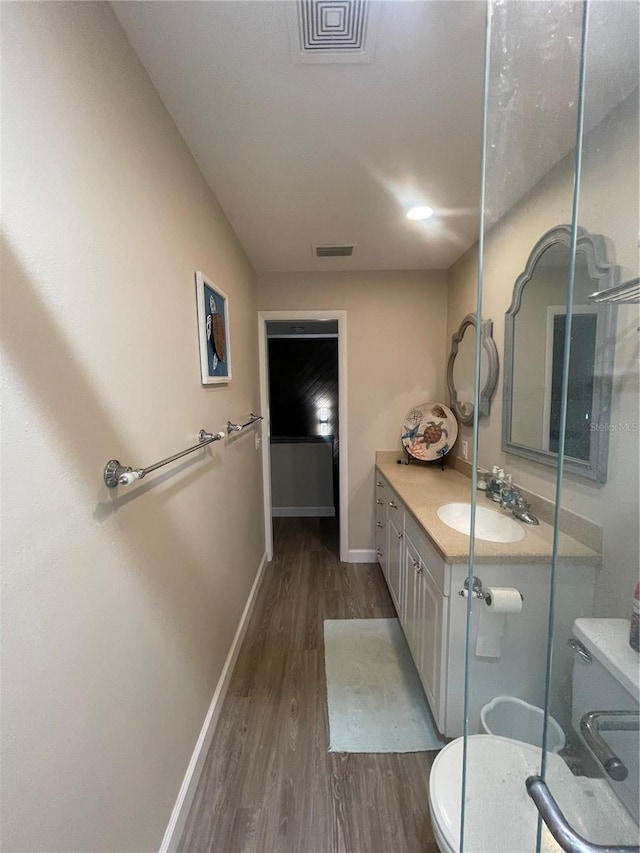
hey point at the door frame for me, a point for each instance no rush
(299, 316)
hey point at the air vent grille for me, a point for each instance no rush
(333, 251)
(333, 24)
(332, 31)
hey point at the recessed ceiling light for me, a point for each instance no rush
(422, 212)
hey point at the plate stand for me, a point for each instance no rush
(410, 459)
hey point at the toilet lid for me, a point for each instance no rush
(500, 817)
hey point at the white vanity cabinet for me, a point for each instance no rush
(415, 577)
(426, 583)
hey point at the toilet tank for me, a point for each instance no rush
(610, 682)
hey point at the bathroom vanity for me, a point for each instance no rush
(425, 564)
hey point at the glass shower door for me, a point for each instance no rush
(593, 675)
(560, 223)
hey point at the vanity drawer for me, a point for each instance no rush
(381, 492)
(389, 507)
(430, 557)
(386, 493)
(395, 509)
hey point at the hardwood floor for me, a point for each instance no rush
(269, 784)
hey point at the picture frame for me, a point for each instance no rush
(213, 331)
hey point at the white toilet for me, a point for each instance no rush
(500, 817)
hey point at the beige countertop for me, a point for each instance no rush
(425, 488)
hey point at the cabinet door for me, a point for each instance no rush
(430, 633)
(394, 578)
(411, 599)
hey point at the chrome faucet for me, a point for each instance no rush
(511, 498)
(523, 512)
(501, 490)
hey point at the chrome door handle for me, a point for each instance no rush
(393, 505)
(557, 824)
(380, 502)
(380, 485)
(379, 524)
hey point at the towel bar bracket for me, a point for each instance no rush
(113, 470)
(253, 419)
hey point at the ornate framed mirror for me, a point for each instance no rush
(461, 369)
(535, 327)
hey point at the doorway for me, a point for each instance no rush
(306, 430)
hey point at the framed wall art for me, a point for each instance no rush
(213, 332)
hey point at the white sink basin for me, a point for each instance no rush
(490, 525)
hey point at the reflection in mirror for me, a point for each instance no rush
(534, 352)
(461, 369)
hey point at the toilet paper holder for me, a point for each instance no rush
(477, 590)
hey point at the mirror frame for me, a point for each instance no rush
(605, 275)
(487, 392)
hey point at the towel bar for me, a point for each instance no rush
(116, 474)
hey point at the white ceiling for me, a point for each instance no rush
(304, 154)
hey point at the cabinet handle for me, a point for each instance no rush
(380, 502)
(379, 524)
(415, 563)
(393, 505)
(379, 484)
(379, 552)
(400, 535)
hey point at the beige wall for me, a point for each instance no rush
(608, 206)
(395, 351)
(119, 607)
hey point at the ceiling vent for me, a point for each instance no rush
(333, 250)
(332, 31)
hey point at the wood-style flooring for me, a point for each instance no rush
(269, 784)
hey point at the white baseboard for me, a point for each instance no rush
(362, 555)
(187, 791)
(303, 511)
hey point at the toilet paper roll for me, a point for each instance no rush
(503, 599)
(500, 602)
